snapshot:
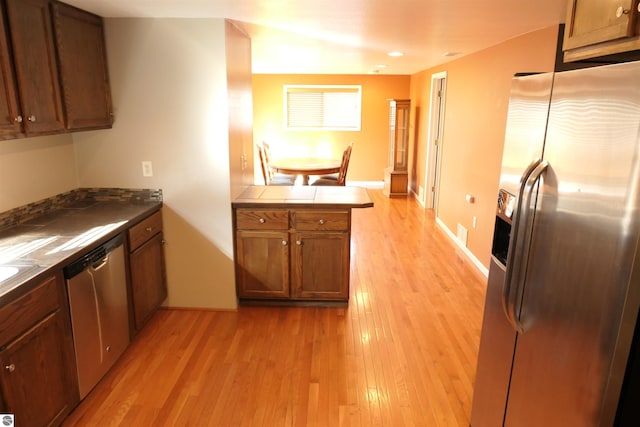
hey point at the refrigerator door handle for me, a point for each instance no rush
(513, 241)
(519, 248)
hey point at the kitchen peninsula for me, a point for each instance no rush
(292, 243)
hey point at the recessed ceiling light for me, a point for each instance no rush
(395, 54)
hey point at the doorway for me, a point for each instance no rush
(435, 140)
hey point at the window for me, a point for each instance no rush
(322, 107)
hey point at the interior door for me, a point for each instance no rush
(434, 143)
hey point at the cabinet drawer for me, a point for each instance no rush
(322, 220)
(249, 219)
(27, 310)
(144, 230)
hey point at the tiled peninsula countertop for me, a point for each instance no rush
(39, 237)
(303, 197)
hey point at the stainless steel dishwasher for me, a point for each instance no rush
(96, 284)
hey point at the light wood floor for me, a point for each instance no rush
(402, 354)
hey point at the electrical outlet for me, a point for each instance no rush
(147, 168)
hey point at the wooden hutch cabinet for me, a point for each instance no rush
(396, 175)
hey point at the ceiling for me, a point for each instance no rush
(354, 36)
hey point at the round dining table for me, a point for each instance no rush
(305, 166)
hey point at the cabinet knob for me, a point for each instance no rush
(284, 243)
(149, 229)
(18, 119)
(622, 11)
(31, 118)
(261, 221)
(321, 222)
(299, 242)
(10, 368)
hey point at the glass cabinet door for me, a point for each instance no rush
(399, 133)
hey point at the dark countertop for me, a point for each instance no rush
(303, 197)
(40, 245)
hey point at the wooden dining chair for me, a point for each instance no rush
(267, 173)
(341, 177)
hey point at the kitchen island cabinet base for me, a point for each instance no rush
(292, 245)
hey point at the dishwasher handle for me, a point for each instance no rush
(95, 258)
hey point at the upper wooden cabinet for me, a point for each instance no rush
(10, 118)
(53, 69)
(83, 68)
(595, 28)
(36, 66)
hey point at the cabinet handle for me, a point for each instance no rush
(638, 6)
(149, 229)
(284, 243)
(31, 118)
(18, 119)
(321, 222)
(10, 368)
(261, 221)
(299, 242)
(622, 11)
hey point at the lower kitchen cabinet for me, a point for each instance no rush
(297, 255)
(147, 268)
(321, 266)
(38, 380)
(263, 260)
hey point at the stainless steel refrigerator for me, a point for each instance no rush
(564, 280)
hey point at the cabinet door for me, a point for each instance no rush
(10, 119)
(36, 65)
(35, 383)
(595, 21)
(262, 264)
(83, 68)
(148, 281)
(321, 265)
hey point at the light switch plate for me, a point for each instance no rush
(147, 168)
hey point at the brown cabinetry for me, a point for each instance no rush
(595, 28)
(80, 45)
(396, 176)
(292, 254)
(36, 66)
(52, 81)
(38, 378)
(147, 269)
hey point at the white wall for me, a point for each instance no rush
(169, 87)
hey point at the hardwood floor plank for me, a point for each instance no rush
(403, 352)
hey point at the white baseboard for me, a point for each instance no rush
(464, 249)
(366, 184)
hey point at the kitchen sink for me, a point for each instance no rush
(13, 275)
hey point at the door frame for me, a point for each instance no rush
(433, 158)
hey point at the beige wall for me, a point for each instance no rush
(33, 169)
(370, 149)
(238, 53)
(169, 87)
(477, 97)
